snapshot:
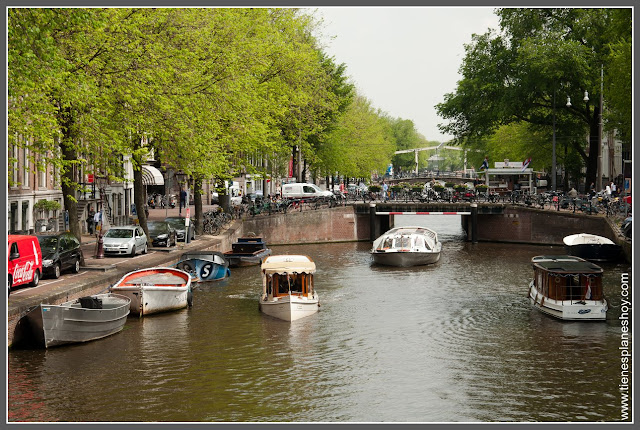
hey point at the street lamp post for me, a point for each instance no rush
(599, 173)
(553, 153)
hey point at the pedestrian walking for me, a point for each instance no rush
(90, 223)
(183, 199)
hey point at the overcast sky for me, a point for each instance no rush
(404, 59)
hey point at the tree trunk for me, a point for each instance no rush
(138, 189)
(197, 201)
(69, 184)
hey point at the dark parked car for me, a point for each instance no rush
(162, 233)
(60, 252)
(177, 222)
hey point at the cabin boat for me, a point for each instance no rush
(247, 251)
(204, 266)
(407, 246)
(287, 287)
(154, 290)
(568, 287)
(81, 320)
(592, 247)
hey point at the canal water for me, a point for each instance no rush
(456, 341)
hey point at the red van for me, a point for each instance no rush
(25, 260)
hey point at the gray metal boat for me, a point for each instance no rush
(81, 320)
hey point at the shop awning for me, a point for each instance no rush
(151, 176)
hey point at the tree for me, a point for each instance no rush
(525, 73)
(360, 143)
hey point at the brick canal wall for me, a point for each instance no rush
(339, 224)
(524, 225)
(515, 225)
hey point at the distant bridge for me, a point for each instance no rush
(436, 148)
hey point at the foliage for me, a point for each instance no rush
(526, 72)
(47, 205)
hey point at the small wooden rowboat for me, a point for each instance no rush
(157, 289)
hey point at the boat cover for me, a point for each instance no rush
(283, 264)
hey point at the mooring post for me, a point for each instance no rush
(372, 221)
(474, 222)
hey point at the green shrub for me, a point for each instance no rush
(47, 205)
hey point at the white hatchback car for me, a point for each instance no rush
(127, 240)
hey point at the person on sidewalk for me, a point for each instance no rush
(90, 224)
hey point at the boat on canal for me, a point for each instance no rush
(592, 247)
(81, 320)
(247, 251)
(287, 287)
(204, 266)
(156, 289)
(407, 246)
(568, 287)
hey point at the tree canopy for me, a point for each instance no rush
(525, 73)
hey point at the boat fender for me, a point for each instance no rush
(189, 298)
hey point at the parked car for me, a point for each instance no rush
(24, 260)
(162, 233)
(178, 223)
(60, 251)
(127, 240)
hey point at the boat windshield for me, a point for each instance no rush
(403, 242)
(387, 243)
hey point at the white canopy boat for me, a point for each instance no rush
(287, 287)
(591, 247)
(407, 246)
(568, 288)
(157, 289)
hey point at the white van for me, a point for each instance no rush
(304, 190)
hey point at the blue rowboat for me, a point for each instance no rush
(204, 266)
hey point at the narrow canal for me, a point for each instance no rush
(453, 342)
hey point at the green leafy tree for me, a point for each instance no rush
(525, 73)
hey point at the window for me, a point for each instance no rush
(14, 169)
(14, 250)
(42, 175)
(25, 167)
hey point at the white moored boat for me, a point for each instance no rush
(592, 247)
(407, 246)
(567, 287)
(157, 289)
(287, 287)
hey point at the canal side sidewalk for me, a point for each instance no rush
(97, 274)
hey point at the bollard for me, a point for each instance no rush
(474, 222)
(100, 249)
(372, 221)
